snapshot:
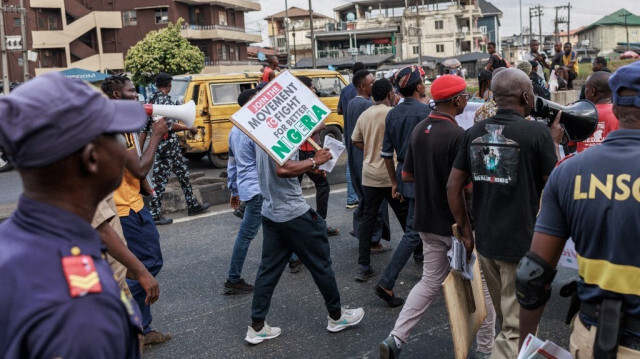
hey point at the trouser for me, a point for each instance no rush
(143, 241)
(119, 274)
(582, 339)
(572, 76)
(409, 244)
(373, 197)
(307, 236)
(381, 228)
(165, 163)
(501, 282)
(248, 230)
(434, 271)
(351, 193)
(321, 184)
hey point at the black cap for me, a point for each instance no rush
(163, 79)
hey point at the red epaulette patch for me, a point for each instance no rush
(81, 275)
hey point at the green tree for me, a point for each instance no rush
(163, 50)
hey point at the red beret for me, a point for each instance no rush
(447, 86)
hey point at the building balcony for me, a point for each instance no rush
(242, 5)
(97, 62)
(61, 38)
(219, 32)
(46, 4)
(381, 50)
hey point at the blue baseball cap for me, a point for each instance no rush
(626, 77)
(50, 117)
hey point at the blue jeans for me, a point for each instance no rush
(143, 241)
(408, 246)
(248, 230)
(351, 193)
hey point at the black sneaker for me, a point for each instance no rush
(391, 299)
(160, 220)
(197, 209)
(389, 349)
(364, 274)
(295, 266)
(332, 231)
(240, 287)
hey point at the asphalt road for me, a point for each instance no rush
(208, 324)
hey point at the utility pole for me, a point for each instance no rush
(531, 16)
(540, 13)
(419, 34)
(555, 26)
(562, 20)
(568, 22)
(273, 35)
(286, 32)
(5, 65)
(23, 29)
(313, 38)
(626, 27)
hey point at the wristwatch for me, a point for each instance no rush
(314, 163)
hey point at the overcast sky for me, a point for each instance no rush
(583, 12)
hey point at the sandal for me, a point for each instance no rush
(155, 337)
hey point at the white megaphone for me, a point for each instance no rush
(185, 113)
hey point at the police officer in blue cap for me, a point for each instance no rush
(59, 298)
(594, 198)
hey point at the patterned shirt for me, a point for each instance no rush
(171, 139)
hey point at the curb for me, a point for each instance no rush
(206, 189)
(215, 191)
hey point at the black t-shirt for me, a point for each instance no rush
(506, 157)
(496, 62)
(433, 148)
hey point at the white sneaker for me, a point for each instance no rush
(348, 318)
(266, 333)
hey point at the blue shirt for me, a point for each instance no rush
(347, 94)
(399, 125)
(39, 317)
(594, 197)
(242, 174)
(283, 200)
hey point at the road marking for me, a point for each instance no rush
(211, 214)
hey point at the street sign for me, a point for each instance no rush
(14, 43)
(281, 116)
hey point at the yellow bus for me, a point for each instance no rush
(216, 98)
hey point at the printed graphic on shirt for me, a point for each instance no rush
(597, 137)
(494, 158)
(131, 143)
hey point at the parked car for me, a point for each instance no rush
(216, 98)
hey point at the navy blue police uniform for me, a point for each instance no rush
(59, 297)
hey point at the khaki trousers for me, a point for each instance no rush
(582, 339)
(435, 270)
(501, 281)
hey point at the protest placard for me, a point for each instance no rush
(281, 116)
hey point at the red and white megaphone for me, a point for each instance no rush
(185, 113)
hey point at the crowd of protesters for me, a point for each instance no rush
(504, 182)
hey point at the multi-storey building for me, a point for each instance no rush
(96, 34)
(405, 29)
(298, 31)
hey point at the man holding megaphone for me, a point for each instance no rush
(169, 157)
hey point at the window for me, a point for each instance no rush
(439, 47)
(129, 18)
(16, 21)
(439, 24)
(222, 52)
(282, 42)
(328, 86)
(416, 50)
(222, 18)
(483, 30)
(53, 22)
(178, 89)
(162, 16)
(228, 93)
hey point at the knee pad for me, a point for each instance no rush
(533, 281)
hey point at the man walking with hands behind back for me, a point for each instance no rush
(508, 158)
